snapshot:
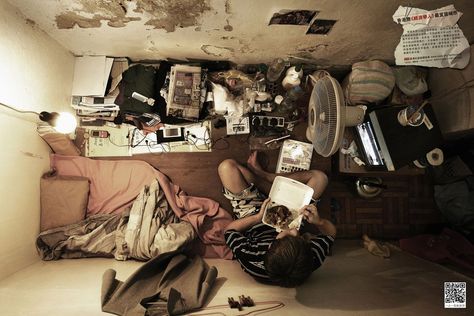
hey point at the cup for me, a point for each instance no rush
(410, 116)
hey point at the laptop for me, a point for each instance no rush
(368, 146)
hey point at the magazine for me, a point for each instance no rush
(184, 95)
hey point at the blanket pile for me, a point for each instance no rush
(162, 217)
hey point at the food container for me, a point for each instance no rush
(292, 194)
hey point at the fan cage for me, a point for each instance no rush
(327, 100)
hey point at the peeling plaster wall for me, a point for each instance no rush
(235, 30)
(35, 74)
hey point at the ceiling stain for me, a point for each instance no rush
(112, 11)
(312, 49)
(216, 51)
(67, 20)
(170, 14)
(228, 27)
(30, 22)
(228, 9)
(245, 47)
(30, 154)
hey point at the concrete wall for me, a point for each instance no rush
(35, 74)
(235, 30)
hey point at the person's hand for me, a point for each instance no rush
(311, 215)
(262, 209)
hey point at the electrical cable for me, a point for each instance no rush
(19, 111)
(136, 130)
(277, 305)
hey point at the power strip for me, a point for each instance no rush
(268, 121)
(237, 125)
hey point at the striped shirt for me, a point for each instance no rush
(250, 248)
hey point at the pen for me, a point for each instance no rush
(276, 139)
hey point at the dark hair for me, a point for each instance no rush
(289, 261)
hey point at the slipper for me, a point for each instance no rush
(376, 248)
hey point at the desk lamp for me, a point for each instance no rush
(62, 122)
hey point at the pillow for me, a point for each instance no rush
(368, 82)
(114, 184)
(60, 143)
(63, 200)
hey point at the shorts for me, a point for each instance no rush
(245, 203)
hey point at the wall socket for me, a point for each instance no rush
(237, 125)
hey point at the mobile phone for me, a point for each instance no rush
(99, 134)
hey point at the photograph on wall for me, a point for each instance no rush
(321, 27)
(293, 17)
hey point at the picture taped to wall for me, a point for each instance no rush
(321, 27)
(293, 17)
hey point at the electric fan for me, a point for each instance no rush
(328, 115)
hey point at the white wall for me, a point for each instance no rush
(35, 74)
(235, 30)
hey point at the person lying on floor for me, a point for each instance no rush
(287, 258)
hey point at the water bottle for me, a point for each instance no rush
(275, 69)
(288, 104)
(293, 77)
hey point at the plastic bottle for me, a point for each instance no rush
(296, 71)
(293, 77)
(288, 103)
(275, 69)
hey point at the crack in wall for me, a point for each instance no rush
(217, 51)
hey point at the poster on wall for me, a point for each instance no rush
(431, 38)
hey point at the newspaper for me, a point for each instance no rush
(431, 38)
(184, 95)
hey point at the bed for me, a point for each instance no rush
(132, 211)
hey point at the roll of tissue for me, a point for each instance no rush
(435, 157)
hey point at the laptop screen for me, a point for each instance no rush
(368, 145)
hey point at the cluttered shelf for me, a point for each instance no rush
(153, 108)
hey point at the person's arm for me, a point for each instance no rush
(242, 224)
(311, 215)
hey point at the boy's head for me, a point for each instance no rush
(289, 261)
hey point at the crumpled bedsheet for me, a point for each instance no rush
(114, 186)
(148, 229)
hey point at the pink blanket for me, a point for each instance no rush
(114, 185)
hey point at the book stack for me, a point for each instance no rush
(93, 102)
(92, 110)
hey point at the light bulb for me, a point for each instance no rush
(65, 123)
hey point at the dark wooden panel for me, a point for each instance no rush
(405, 208)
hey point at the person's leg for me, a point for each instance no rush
(237, 181)
(234, 177)
(313, 178)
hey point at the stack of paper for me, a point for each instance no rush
(93, 104)
(91, 74)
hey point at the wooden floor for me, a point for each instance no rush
(406, 208)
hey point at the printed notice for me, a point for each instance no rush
(431, 38)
